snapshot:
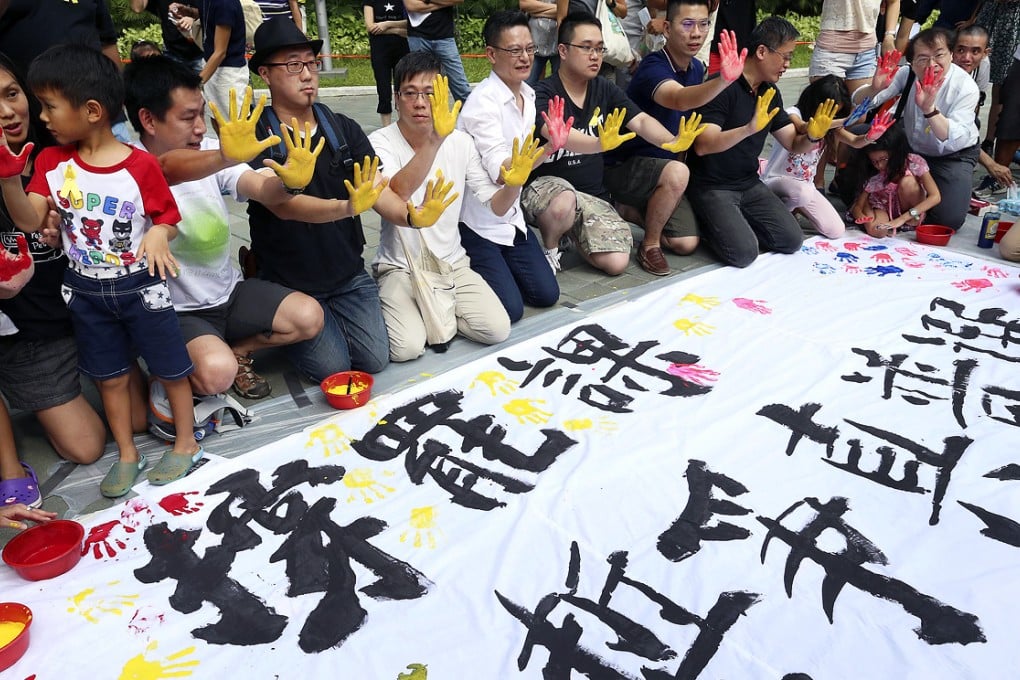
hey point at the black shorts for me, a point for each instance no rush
(249, 311)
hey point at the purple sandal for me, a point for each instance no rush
(24, 490)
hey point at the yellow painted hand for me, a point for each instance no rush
(297, 172)
(443, 119)
(820, 123)
(689, 131)
(364, 192)
(522, 160)
(528, 411)
(140, 668)
(70, 189)
(237, 132)
(609, 134)
(434, 205)
(762, 115)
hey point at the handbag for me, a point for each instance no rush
(618, 52)
(433, 289)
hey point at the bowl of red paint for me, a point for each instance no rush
(15, 620)
(1001, 231)
(934, 234)
(46, 550)
(347, 389)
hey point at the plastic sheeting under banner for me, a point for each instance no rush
(805, 469)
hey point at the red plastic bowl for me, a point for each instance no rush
(46, 550)
(1003, 228)
(16, 648)
(335, 388)
(934, 234)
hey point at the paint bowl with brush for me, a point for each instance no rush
(15, 620)
(348, 389)
(46, 550)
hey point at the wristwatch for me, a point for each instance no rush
(914, 214)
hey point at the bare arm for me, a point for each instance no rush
(537, 8)
(650, 129)
(673, 95)
(416, 171)
(264, 187)
(295, 13)
(617, 7)
(221, 38)
(562, 9)
(188, 165)
(27, 211)
(792, 140)
(716, 140)
(113, 55)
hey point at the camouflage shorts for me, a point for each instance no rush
(597, 227)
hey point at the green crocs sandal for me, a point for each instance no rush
(121, 477)
(173, 466)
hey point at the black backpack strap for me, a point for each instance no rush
(904, 94)
(334, 137)
(271, 121)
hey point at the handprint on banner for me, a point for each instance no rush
(604, 425)
(824, 269)
(136, 513)
(908, 252)
(756, 306)
(145, 619)
(851, 269)
(825, 245)
(364, 486)
(846, 257)
(885, 258)
(527, 411)
(913, 264)
(707, 302)
(883, 270)
(495, 381)
(808, 250)
(140, 668)
(994, 272)
(178, 504)
(693, 327)
(418, 672)
(693, 373)
(92, 607)
(423, 528)
(851, 246)
(330, 438)
(99, 540)
(972, 285)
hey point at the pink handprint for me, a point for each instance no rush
(851, 246)
(136, 513)
(99, 538)
(176, 503)
(913, 264)
(757, 306)
(825, 245)
(852, 269)
(882, 257)
(972, 285)
(693, 373)
(994, 272)
(909, 252)
(557, 129)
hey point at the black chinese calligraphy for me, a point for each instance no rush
(990, 331)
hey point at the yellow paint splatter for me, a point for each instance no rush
(495, 381)
(527, 411)
(603, 425)
(423, 528)
(332, 440)
(693, 327)
(364, 486)
(706, 302)
(91, 607)
(419, 671)
(140, 668)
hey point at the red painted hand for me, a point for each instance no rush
(928, 87)
(11, 164)
(887, 67)
(879, 125)
(99, 538)
(10, 265)
(557, 129)
(731, 62)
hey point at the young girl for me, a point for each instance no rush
(900, 189)
(791, 176)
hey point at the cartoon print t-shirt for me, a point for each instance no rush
(104, 212)
(802, 166)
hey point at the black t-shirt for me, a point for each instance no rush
(737, 16)
(736, 168)
(173, 40)
(30, 27)
(38, 310)
(583, 171)
(437, 25)
(386, 10)
(223, 13)
(312, 258)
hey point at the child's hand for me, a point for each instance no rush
(50, 234)
(864, 219)
(156, 249)
(11, 164)
(819, 124)
(11, 514)
(879, 230)
(882, 122)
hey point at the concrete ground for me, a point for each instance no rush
(295, 403)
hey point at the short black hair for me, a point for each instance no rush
(972, 30)
(144, 45)
(772, 32)
(78, 73)
(827, 87)
(929, 37)
(674, 6)
(501, 21)
(572, 21)
(149, 84)
(414, 63)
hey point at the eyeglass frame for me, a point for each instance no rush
(703, 24)
(787, 58)
(407, 95)
(933, 57)
(516, 52)
(590, 50)
(304, 65)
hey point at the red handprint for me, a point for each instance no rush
(879, 125)
(905, 251)
(852, 269)
(176, 503)
(99, 538)
(11, 164)
(882, 257)
(693, 373)
(851, 246)
(973, 285)
(756, 306)
(825, 245)
(887, 67)
(913, 264)
(136, 513)
(994, 272)
(557, 129)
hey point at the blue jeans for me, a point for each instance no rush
(353, 333)
(518, 274)
(448, 55)
(538, 67)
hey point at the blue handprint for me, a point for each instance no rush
(846, 257)
(875, 247)
(824, 269)
(884, 270)
(858, 113)
(809, 250)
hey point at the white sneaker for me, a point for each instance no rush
(552, 256)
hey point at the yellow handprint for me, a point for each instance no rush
(418, 672)
(434, 205)
(604, 425)
(704, 302)
(423, 521)
(693, 326)
(297, 172)
(522, 160)
(443, 119)
(364, 192)
(364, 486)
(88, 606)
(70, 189)
(495, 381)
(762, 115)
(237, 133)
(820, 123)
(609, 133)
(689, 131)
(527, 411)
(331, 438)
(139, 668)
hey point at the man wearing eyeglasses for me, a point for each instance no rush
(501, 108)
(938, 118)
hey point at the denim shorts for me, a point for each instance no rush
(38, 374)
(117, 319)
(843, 65)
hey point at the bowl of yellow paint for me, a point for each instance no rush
(15, 620)
(46, 550)
(348, 389)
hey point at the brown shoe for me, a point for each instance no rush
(248, 383)
(653, 261)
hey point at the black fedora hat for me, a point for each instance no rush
(276, 34)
